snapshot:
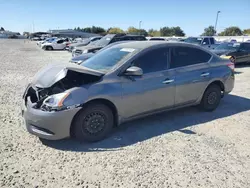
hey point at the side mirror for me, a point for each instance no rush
(204, 43)
(133, 71)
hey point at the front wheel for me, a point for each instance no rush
(211, 98)
(93, 123)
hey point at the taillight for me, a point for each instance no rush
(231, 65)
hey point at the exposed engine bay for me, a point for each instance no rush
(72, 79)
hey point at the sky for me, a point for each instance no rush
(191, 15)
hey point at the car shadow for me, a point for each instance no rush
(237, 72)
(143, 129)
(242, 65)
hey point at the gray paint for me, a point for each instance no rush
(138, 96)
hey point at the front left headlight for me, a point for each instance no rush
(55, 102)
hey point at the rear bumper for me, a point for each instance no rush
(229, 83)
(48, 125)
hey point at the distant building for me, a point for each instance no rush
(10, 34)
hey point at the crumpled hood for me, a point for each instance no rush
(51, 74)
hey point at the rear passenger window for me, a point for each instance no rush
(184, 56)
(212, 41)
(153, 60)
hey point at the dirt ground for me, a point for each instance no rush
(184, 148)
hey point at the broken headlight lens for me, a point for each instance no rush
(55, 102)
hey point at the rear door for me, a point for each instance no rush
(155, 89)
(59, 45)
(192, 73)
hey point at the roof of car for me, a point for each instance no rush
(147, 44)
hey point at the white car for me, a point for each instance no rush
(59, 44)
(39, 43)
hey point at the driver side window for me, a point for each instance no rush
(60, 42)
(153, 61)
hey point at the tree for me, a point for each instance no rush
(231, 31)
(93, 29)
(115, 30)
(133, 30)
(97, 30)
(246, 31)
(209, 31)
(178, 31)
(87, 29)
(2, 29)
(154, 33)
(172, 31)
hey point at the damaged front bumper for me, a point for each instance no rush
(52, 125)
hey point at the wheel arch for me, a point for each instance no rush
(98, 101)
(216, 82)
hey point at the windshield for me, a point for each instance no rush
(227, 46)
(104, 41)
(107, 59)
(193, 40)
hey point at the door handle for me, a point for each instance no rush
(167, 81)
(205, 74)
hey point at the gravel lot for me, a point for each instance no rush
(184, 148)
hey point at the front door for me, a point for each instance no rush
(154, 90)
(192, 73)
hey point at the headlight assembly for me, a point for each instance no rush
(55, 102)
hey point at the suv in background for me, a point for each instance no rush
(106, 40)
(207, 42)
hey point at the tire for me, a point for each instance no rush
(49, 48)
(93, 123)
(211, 98)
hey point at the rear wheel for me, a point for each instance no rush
(49, 48)
(211, 98)
(93, 123)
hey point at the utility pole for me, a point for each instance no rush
(33, 26)
(215, 26)
(140, 27)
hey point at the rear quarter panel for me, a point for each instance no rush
(219, 71)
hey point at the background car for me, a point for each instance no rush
(225, 48)
(157, 38)
(49, 40)
(58, 44)
(84, 42)
(239, 54)
(81, 58)
(106, 40)
(207, 42)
